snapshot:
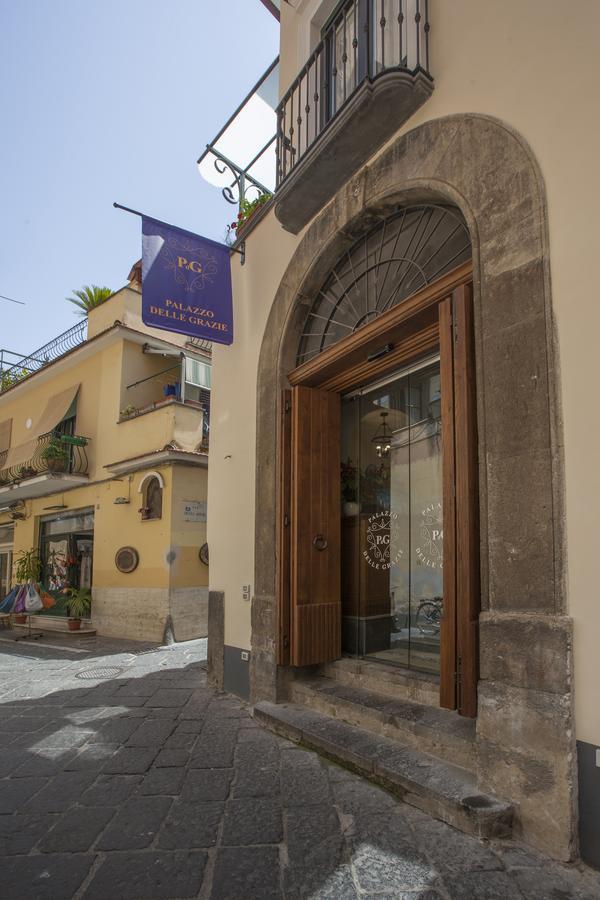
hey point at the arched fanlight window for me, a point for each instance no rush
(151, 489)
(400, 255)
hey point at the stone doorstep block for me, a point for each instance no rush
(444, 791)
(435, 731)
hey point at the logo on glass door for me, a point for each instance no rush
(383, 540)
(430, 551)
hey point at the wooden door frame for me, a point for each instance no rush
(428, 321)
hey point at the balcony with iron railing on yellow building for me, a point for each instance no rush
(107, 396)
(57, 461)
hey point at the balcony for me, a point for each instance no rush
(364, 80)
(57, 462)
(14, 367)
(168, 430)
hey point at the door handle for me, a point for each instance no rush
(320, 542)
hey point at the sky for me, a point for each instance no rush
(104, 100)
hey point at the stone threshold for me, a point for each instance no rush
(385, 678)
(444, 791)
(440, 732)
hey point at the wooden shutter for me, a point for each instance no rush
(284, 528)
(315, 527)
(467, 502)
(459, 636)
(448, 627)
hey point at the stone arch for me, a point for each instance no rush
(487, 170)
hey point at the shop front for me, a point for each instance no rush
(66, 553)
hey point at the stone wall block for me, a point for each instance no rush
(535, 771)
(495, 175)
(509, 248)
(527, 651)
(533, 723)
(416, 155)
(515, 366)
(189, 612)
(520, 531)
(216, 638)
(512, 297)
(136, 613)
(263, 661)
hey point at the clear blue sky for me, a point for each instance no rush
(104, 100)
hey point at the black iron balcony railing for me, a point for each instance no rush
(56, 454)
(17, 367)
(365, 40)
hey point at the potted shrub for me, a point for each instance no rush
(78, 602)
(55, 455)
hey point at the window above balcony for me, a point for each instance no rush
(367, 76)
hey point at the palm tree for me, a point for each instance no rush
(89, 297)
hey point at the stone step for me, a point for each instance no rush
(444, 791)
(55, 624)
(439, 732)
(420, 687)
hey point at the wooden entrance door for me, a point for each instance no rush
(309, 497)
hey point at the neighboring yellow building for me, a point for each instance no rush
(122, 506)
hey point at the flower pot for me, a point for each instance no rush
(20, 618)
(74, 624)
(56, 464)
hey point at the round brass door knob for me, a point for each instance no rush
(320, 542)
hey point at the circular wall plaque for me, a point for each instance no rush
(203, 554)
(127, 559)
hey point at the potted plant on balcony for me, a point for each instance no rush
(55, 455)
(78, 602)
(248, 208)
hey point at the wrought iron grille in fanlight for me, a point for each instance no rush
(398, 257)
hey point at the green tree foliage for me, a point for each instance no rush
(89, 297)
(8, 379)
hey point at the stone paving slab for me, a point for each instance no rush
(151, 785)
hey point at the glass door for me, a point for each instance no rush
(5, 571)
(392, 533)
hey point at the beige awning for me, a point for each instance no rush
(5, 432)
(56, 409)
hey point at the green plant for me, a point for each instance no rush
(247, 209)
(129, 410)
(89, 297)
(28, 567)
(78, 601)
(8, 379)
(55, 450)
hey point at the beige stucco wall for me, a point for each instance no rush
(534, 66)
(233, 425)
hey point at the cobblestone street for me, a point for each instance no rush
(123, 776)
